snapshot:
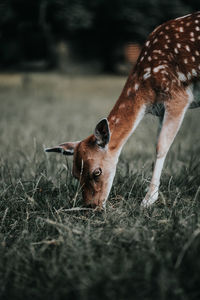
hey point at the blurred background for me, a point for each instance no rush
(80, 36)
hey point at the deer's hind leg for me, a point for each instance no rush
(175, 109)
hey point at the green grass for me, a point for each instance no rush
(47, 250)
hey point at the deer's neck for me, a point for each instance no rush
(126, 115)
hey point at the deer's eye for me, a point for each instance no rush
(97, 172)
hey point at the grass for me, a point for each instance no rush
(48, 248)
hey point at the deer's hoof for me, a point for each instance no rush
(149, 200)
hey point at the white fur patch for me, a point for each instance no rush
(158, 68)
(136, 86)
(147, 74)
(187, 48)
(176, 50)
(194, 72)
(182, 77)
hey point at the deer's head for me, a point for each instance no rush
(94, 165)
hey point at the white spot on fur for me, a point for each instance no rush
(196, 21)
(149, 58)
(178, 45)
(113, 117)
(147, 74)
(185, 61)
(194, 72)
(157, 51)
(192, 39)
(176, 50)
(155, 41)
(181, 77)
(166, 47)
(164, 72)
(177, 35)
(187, 48)
(193, 58)
(147, 43)
(158, 68)
(197, 53)
(136, 86)
(197, 28)
(188, 24)
(191, 34)
(181, 29)
(117, 121)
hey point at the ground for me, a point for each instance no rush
(48, 248)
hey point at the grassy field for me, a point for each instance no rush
(48, 250)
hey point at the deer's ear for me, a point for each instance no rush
(102, 133)
(65, 148)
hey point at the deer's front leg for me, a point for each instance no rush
(173, 117)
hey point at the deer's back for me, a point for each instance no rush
(170, 58)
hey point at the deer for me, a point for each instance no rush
(162, 83)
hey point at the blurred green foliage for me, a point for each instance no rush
(29, 30)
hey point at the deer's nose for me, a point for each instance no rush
(94, 204)
(91, 205)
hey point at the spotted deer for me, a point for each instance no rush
(161, 83)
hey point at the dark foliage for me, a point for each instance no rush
(29, 30)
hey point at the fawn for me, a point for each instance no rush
(161, 83)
